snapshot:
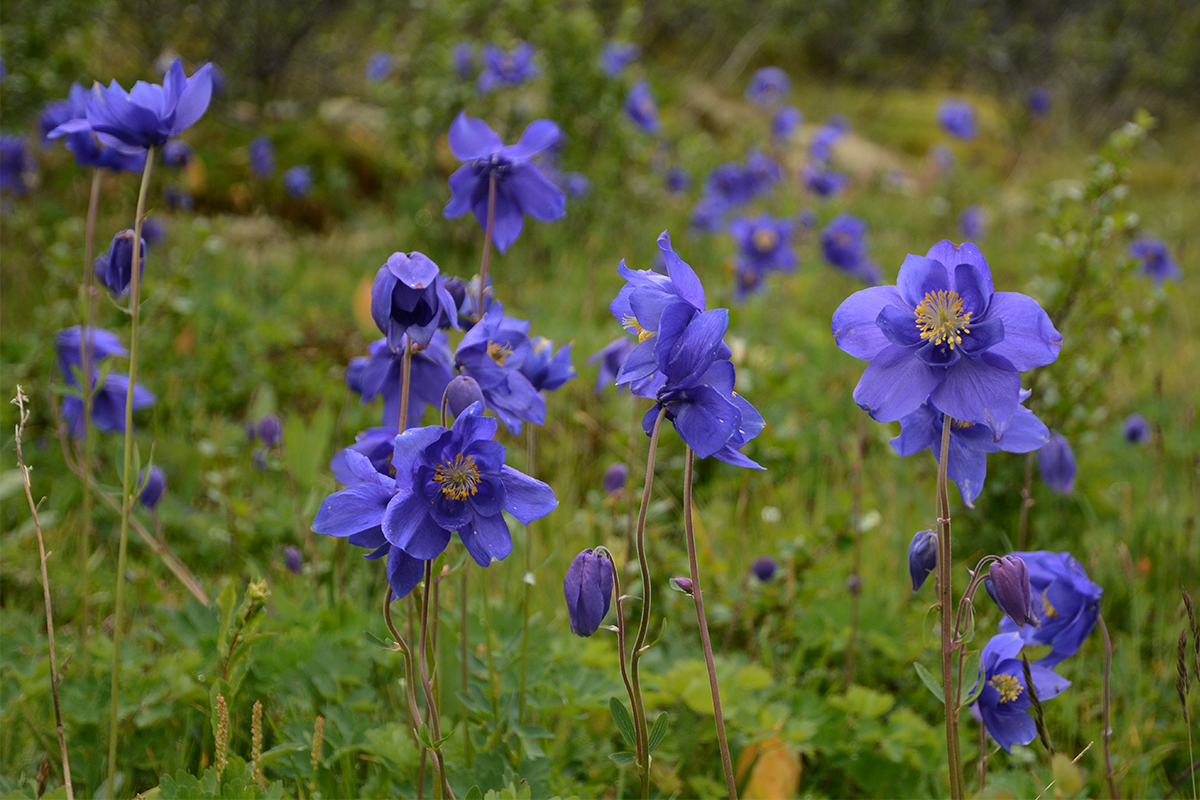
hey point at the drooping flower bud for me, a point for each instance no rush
(292, 559)
(588, 588)
(115, 268)
(1008, 584)
(270, 430)
(682, 585)
(922, 557)
(153, 485)
(615, 477)
(764, 568)
(1056, 463)
(1137, 429)
(461, 392)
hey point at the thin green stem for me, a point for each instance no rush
(468, 746)
(527, 580)
(698, 599)
(85, 377)
(435, 723)
(1106, 734)
(127, 498)
(954, 763)
(620, 628)
(405, 379)
(639, 710)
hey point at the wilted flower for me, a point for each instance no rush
(957, 117)
(641, 108)
(1056, 463)
(943, 334)
(492, 353)
(614, 58)
(152, 486)
(148, 115)
(768, 86)
(520, 188)
(764, 568)
(922, 557)
(844, 245)
(270, 430)
(1039, 101)
(463, 59)
(502, 68)
(785, 121)
(409, 299)
(1008, 584)
(292, 559)
(262, 157)
(972, 222)
(588, 588)
(114, 269)
(379, 66)
(15, 164)
(298, 181)
(177, 154)
(610, 358)
(1157, 263)
(1004, 702)
(1137, 429)
(1065, 601)
(615, 477)
(545, 368)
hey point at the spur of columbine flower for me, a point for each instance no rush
(1064, 599)
(408, 299)
(943, 334)
(446, 481)
(520, 187)
(970, 443)
(1004, 702)
(492, 353)
(148, 114)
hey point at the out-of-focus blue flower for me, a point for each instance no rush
(298, 181)
(844, 245)
(615, 57)
(354, 373)
(108, 404)
(492, 353)
(53, 114)
(957, 118)
(763, 171)
(68, 347)
(262, 157)
(502, 68)
(152, 486)
(153, 231)
(219, 81)
(1008, 584)
(641, 108)
(768, 86)
(379, 66)
(943, 334)
(821, 181)
(588, 588)
(146, 116)
(972, 222)
(1065, 601)
(270, 430)
(1039, 101)
(16, 162)
(1137, 429)
(409, 299)
(611, 357)
(731, 183)
(520, 187)
(177, 154)
(922, 557)
(461, 393)
(463, 59)
(615, 477)
(678, 179)
(447, 481)
(1056, 463)
(115, 268)
(764, 568)
(784, 123)
(764, 245)
(708, 215)
(293, 559)
(942, 158)
(1004, 702)
(545, 368)
(178, 198)
(807, 218)
(1157, 263)
(820, 149)
(429, 374)
(969, 443)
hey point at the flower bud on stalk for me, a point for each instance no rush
(922, 557)
(1008, 584)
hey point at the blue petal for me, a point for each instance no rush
(692, 352)
(462, 190)
(508, 222)
(538, 135)
(1025, 433)
(404, 572)
(528, 498)
(974, 391)
(707, 421)
(1008, 728)
(854, 322)
(687, 283)
(983, 335)
(415, 270)
(895, 384)
(408, 452)
(472, 425)
(951, 255)
(967, 468)
(489, 497)
(381, 297)
(919, 276)
(352, 510)
(194, 99)
(536, 196)
(408, 525)
(898, 326)
(917, 431)
(972, 289)
(472, 139)
(487, 539)
(1030, 338)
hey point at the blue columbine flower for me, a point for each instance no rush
(922, 557)
(502, 68)
(152, 486)
(1065, 601)
(447, 481)
(615, 57)
(763, 172)
(611, 357)
(822, 181)
(148, 114)
(376, 444)
(1004, 702)
(1137, 429)
(943, 334)
(16, 163)
(731, 183)
(768, 86)
(68, 347)
(784, 123)
(262, 157)
(972, 222)
(844, 245)
(764, 243)
(492, 353)
(298, 181)
(520, 187)
(615, 478)
(153, 231)
(588, 588)
(1056, 463)
(641, 108)
(708, 215)
(379, 66)
(114, 269)
(545, 368)
(1157, 263)
(957, 117)
(409, 299)
(970, 443)
(677, 180)
(462, 58)
(429, 374)
(270, 430)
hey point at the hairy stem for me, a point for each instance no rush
(85, 378)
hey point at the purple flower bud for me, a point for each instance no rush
(922, 557)
(615, 477)
(682, 585)
(153, 486)
(853, 584)
(461, 392)
(270, 430)
(588, 588)
(1056, 463)
(177, 154)
(262, 157)
(292, 559)
(1137, 429)
(115, 268)
(260, 459)
(764, 568)
(1008, 584)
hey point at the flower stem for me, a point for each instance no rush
(637, 720)
(405, 380)
(698, 599)
(954, 764)
(855, 583)
(435, 723)
(530, 456)
(487, 244)
(1106, 734)
(135, 290)
(468, 747)
(85, 379)
(639, 710)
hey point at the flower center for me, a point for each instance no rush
(458, 477)
(941, 318)
(1047, 608)
(499, 352)
(765, 239)
(1008, 687)
(960, 424)
(631, 324)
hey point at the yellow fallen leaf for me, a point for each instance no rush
(767, 769)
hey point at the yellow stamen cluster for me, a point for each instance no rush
(1008, 686)
(1047, 608)
(631, 324)
(458, 477)
(941, 318)
(765, 239)
(958, 423)
(499, 352)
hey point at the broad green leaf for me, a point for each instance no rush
(931, 683)
(624, 722)
(624, 758)
(658, 731)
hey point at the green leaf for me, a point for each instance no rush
(624, 721)
(931, 683)
(380, 643)
(624, 758)
(658, 731)
(282, 750)
(474, 793)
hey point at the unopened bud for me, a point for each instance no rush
(461, 392)
(682, 585)
(1008, 584)
(922, 557)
